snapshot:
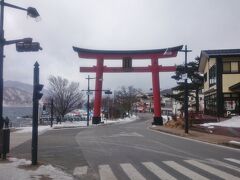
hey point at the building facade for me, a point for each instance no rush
(221, 69)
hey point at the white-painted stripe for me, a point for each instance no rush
(106, 172)
(159, 172)
(225, 165)
(212, 170)
(131, 172)
(233, 160)
(80, 171)
(186, 172)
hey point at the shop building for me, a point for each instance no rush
(221, 69)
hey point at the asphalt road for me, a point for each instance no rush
(132, 151)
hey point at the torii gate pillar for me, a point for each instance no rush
(126, 57)
(157, 120)
(98, 92)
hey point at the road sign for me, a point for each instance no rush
(184, 76)
(89, 92)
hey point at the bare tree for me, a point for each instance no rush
(66, 95)
(125, 98)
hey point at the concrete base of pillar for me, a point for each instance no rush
(96, 120)
(157, 121)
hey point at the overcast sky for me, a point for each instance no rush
(116, 25)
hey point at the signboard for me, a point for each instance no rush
(89, 92)
(108, 92)
(184, 76)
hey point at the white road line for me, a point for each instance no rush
(131, 172)
(80, 171)
(186, 172)
(233, 160)
(159, 172)
(212, 170)
(225, 164)
(106, 172)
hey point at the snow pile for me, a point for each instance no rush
(21, 169)
(233, 122)
(68, 124)
(41, 129)
(122, 121)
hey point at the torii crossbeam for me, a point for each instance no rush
(127, 56)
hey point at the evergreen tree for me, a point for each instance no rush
(194, 84)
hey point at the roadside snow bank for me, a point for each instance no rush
(68, 124)
(234, 122)
(122, 121)
(22, 169)
(41, 129)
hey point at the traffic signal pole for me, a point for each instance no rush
(1, 62)
(36, 97)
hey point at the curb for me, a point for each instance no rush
(233, 144)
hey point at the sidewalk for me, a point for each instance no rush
(17, 139)
(201, 136)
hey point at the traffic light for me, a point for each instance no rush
(28, 46)
(37, 91)
(108, 92)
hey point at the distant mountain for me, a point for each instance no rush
(19, 85)
(166, 91)
(16, 93)
(16, 97)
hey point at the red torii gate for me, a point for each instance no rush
(127, 56)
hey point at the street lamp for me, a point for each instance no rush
(22, 45)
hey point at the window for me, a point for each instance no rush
(227, 95)
(210, 104)
(226, 67)
(205, 77)
(212, 75)
(234, 67)
(231, 67)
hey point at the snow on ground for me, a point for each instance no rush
(122, 121)
(68, 124)
(233, 122)
(16, 169)
(41, 129)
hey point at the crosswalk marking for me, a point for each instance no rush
(187, 172)
(106, 172)
(225, 165)
(233, 160)
(132, 173)
(212, 170)
(159, 172)
(80, 171)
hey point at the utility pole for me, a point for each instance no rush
(51, 112)
(88, 94)
(186, 90)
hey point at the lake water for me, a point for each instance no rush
(15, 114)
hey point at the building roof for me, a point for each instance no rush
(135, 54)
(235, 87)
(206, 54)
